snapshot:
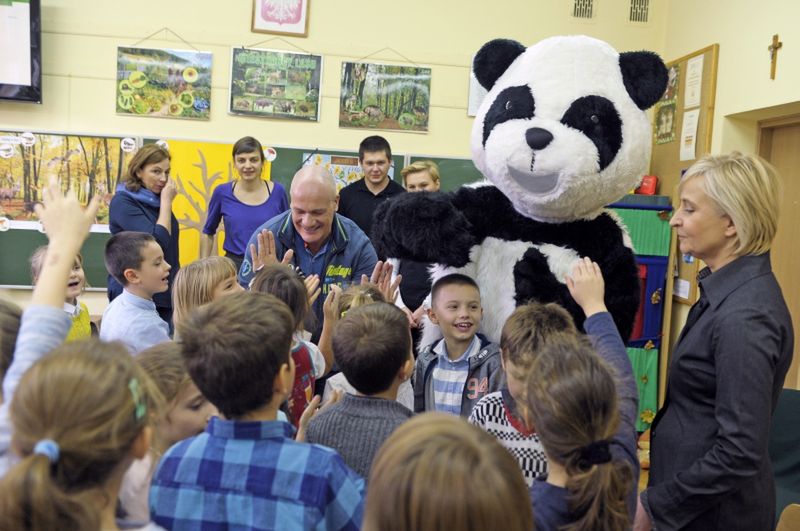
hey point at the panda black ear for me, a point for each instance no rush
(645, 77)
(493, 59)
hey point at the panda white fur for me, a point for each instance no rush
(561, 133)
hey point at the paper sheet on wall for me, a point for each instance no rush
(689, 134)
(476, 95)
(694, 82)
(680, 288)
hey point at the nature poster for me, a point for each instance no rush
(89, 165)
(164, 83)
(666, 109)
(376, 96)
(345, 169)
(275, 84)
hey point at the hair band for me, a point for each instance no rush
(138, 399)
(49, 448)
(595, 453)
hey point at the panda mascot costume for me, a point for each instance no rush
(561, 134)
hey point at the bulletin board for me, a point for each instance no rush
(666, 160)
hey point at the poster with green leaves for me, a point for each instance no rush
(275, 84)
(376, 96)
(164, 83)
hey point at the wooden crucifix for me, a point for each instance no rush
(773, 54)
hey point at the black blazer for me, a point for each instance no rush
(709, 467)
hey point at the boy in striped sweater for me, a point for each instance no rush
(502, 413)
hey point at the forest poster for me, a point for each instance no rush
(376, 96)
(89, 165)
(275, 84)
(164, 83)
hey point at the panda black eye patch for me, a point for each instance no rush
(512, 103)
(598, 119)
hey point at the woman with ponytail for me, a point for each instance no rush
(80, 417)
(583, 407)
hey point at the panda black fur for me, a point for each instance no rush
(561, 134)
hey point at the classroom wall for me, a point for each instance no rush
(79, 40)
(743, 29)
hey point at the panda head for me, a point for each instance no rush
(563, 130)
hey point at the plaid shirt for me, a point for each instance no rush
(252, 475)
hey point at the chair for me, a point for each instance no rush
(784, 450)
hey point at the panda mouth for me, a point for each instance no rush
(535, 184)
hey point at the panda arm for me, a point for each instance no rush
(426, 227)
(622, 288)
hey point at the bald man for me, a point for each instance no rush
(323, 242)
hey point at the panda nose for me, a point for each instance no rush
(538, 138)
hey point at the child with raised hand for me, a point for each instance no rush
(245, 470)
(502, 413)
(185, 413)
(201, 282)
(310, 362)
(137, 262)
(82, 326)
(80, 417)
(438, 472)
(372, 347)
(583, 406)
(44, 324)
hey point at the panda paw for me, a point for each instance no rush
(422, 226)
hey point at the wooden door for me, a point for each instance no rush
(780, 144)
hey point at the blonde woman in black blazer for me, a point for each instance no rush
(709, 463)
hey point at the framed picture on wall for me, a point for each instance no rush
(282, 17)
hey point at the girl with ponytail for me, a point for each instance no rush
(583, 407)
(80, 417)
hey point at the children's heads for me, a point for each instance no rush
(359, 295)
(236, 350)
(201, 282)
(371, 345)
(10, 317)
(456, 307)
(186, 411)
(80, 417)
(77, 277)
(135, 259)
(287, 286)
(424, 478)
(572, 400)
(524, 334)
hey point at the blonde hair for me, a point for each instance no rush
(194, 284)
(10, 318)
(92, 400)
(359, 295)
(37, 259)
(572, 400)
(529, 327)
(164, 365)
(747, 189)
(421, 165)
(146, 155)
(423, 478)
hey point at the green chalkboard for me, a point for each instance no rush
(453, 172)
(17, 245)
(289, 160)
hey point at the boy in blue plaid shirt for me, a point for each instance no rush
(246, 472)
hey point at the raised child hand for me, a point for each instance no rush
(587, 287)
(312, 287)
(64, 220)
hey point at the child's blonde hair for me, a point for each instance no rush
(283, 282)
(359, 295)
(10, 318)
(423, 478)
(75, 415)
(194, 284)
(164, 365)
(37, 259)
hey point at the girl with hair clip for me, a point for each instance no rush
(186, 413)
(583, 407)
(311, 363)
(244, 204)
(353, 297)
(437, 472)
(82, 325)
(80, 417)
(201, 282)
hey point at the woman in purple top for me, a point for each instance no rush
(244, 204)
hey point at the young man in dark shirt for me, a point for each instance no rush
(358, 200)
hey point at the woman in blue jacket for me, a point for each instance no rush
(143, 203)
